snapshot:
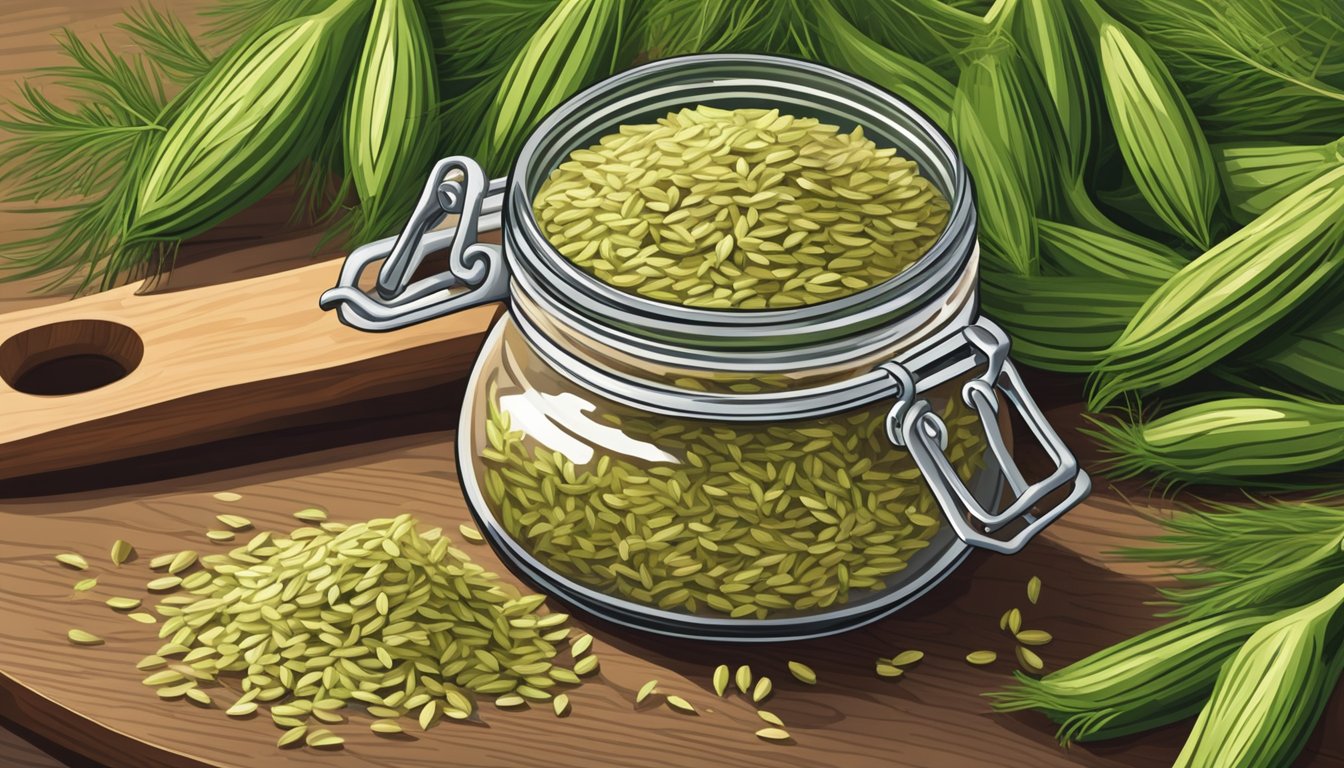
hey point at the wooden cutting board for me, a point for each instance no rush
(124, 373)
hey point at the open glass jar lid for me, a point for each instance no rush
(710, 412)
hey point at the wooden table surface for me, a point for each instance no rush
(72, 706)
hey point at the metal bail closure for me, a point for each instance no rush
(914, 425)
(477, 272)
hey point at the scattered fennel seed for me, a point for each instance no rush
(471, 534)
(803, 673)
(981, 658)
(123, 603)
(80, 637)
(163, 584)
(182, 561)
(581, 645)
(1029, 660)
(1034, 589)
(743, 679)
(236, 522)
(311, 515)
(680, 704)
(645, 691)
(560, 704)
(770, 717)
(721, 674)
(1034, 637)
(773, 734)
(888, 670)
(121, 551)
(72, 560)
(906, 658)
(762, 690)
(84, 585)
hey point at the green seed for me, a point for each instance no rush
(471, 534)
(182, 561)
(236, 522)
(743, 679)
(72, 560)
(773, 734)
(1033, 590)
(220, 536)
(1029, 660)
(803, 673)
(581, 645)
(80, 637)
(163, 584)
(385, 726)
(241, 709)
(311, 515)
(123, 603)
(510, 700)
(1034, 637)
(762, 690)
(981, 658)
(142, 618)
(770, 718)
(888, 670)
(586, 665)
(323, 738)
(645, 691)
(121, 551)
(1011, 621)
(560, 704)
(680, 704)
(84, 585)
(906, 658)
(721, 675)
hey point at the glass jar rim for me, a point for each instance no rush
(688, 80)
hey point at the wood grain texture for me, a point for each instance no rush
(15, 752)
(218, 362)
(849, 718)
(933, 717)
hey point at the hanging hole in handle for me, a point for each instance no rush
(69, 357)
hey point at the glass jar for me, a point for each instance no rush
(713, 473)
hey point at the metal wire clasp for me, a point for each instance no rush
(914, 425)
(476, 271)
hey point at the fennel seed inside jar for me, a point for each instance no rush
(743, 520)
(743, 209)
